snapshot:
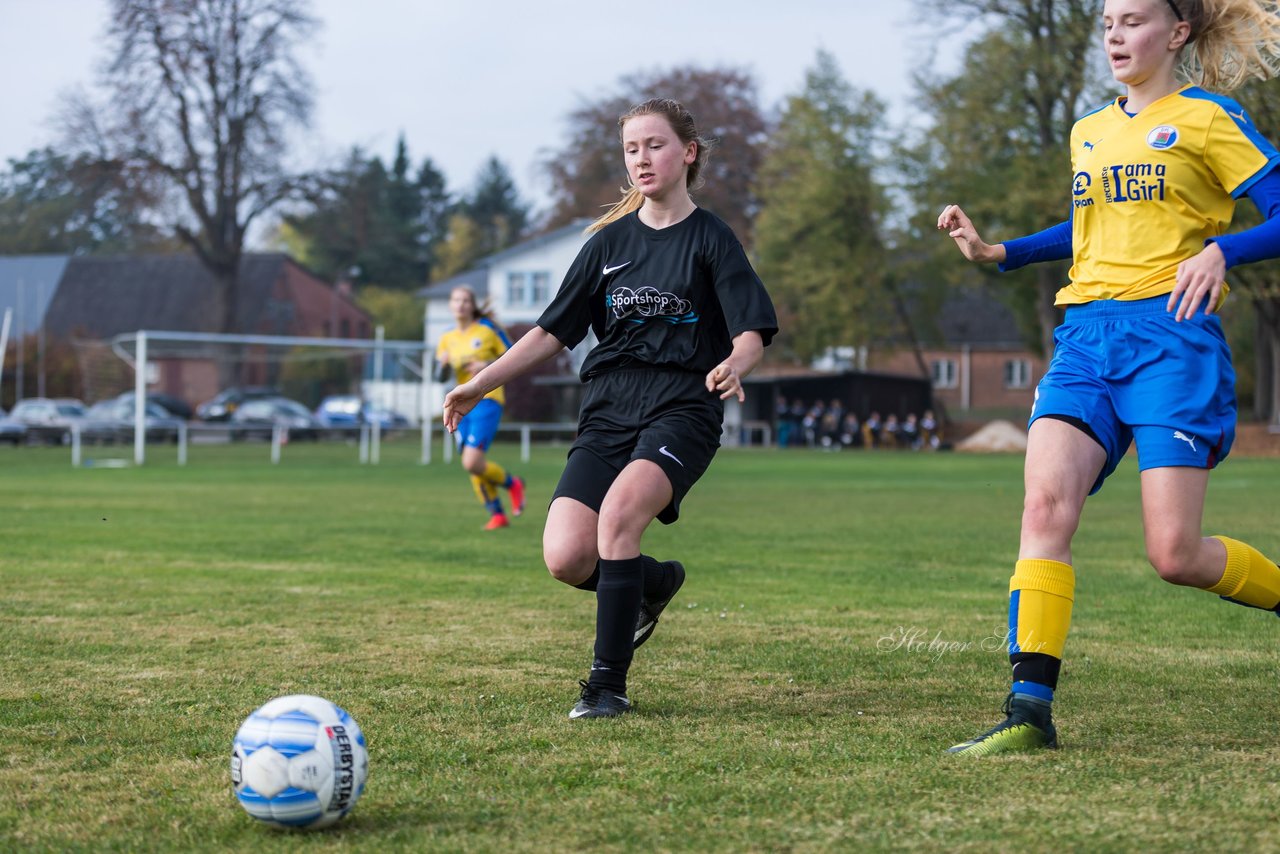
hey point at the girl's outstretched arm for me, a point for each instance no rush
(535, 347)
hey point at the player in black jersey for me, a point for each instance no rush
(681, 318)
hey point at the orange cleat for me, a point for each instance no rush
(496, 521)
(517, 496)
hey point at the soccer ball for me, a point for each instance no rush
(300, 762)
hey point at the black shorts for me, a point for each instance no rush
(666, 417)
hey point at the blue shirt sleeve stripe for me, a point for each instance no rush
(502, 336)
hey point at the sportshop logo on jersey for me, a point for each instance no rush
(649, 303)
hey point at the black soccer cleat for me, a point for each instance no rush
(647, 620)
(599, 703)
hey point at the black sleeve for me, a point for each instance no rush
(743, 299)
(568, 317)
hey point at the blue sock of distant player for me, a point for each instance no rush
(617, 608)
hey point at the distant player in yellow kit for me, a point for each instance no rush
(466, 350)
(1140, 357)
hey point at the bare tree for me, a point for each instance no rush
(201, 95)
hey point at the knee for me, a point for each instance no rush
(1175, 562)
(617, 531)
(473, 465)
(568, 563)
(1045, 513)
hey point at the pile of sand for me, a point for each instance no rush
(996, 436)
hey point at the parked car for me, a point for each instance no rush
(48, 420)
(257, 418)
(221, 406)
(11, 431)
(113, 420)
(340, 411)
(175, 406)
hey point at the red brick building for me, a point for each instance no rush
(976, 355)
(98, 298)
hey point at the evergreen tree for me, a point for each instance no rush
(490, 219)
(386, 226)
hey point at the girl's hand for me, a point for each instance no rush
(1200, 279)
(724, 379)
(459, 402)
(958, 227)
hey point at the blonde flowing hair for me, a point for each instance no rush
(1230, 41)
(686, 129)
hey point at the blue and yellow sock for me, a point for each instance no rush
(1041, 593)
(497, 475)
(1249, 578)
(487, 494)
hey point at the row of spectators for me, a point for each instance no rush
(830, 425)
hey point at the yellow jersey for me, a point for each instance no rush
(483, 340)
(1148, 190)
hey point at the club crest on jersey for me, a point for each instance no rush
(1162, 137)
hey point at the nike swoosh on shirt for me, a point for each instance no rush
(607, 269)
(663, 450)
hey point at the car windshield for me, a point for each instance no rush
(71, 410)
(292, 407)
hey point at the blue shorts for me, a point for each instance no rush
(1131, 373)
(478, 427)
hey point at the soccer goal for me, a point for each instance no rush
(393, 376)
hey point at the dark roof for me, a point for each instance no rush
(477, 278)
(27, 285)
(977, 317)
(103, 296)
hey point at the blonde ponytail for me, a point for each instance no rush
(631, 201)
(1230, 42)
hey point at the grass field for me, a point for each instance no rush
(834, 637)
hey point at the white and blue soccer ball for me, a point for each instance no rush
(299, 762)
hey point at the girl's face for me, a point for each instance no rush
(1142, 38)
(463, 306)
(657, 162)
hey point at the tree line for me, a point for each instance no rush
(188, 147)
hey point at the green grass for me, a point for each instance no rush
(146, 611)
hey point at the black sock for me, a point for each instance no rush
(658, 579)
(617, 607)
(592, 581)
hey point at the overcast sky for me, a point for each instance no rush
(464, 79)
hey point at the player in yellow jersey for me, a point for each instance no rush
(465, 350)
(1140, 356)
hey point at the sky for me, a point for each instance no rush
(467, 79)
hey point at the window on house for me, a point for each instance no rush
(540, 292)
(516, 288)
(528, 289)
(945, 374)
(1017, 373)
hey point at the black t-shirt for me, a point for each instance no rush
(671, 298)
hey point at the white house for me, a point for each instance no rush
(518, 282)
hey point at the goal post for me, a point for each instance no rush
(140, 349)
